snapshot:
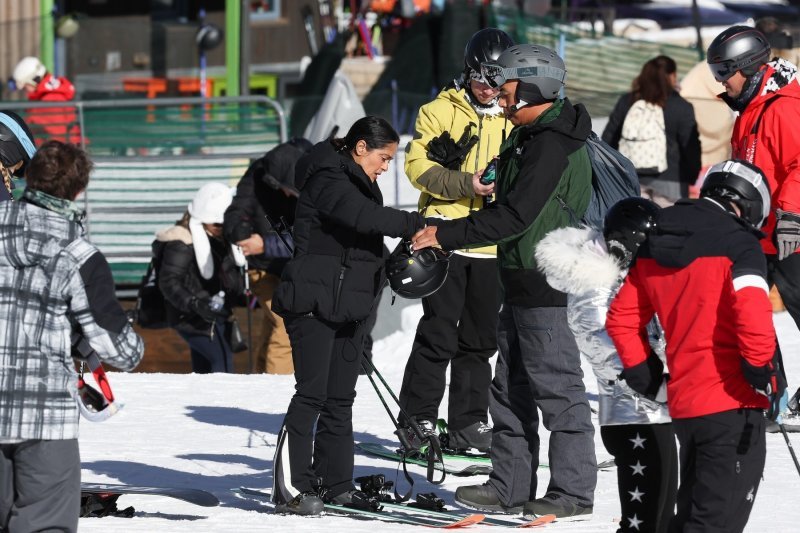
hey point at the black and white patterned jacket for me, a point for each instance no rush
(50, 278)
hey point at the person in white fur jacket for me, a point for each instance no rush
(590, 266)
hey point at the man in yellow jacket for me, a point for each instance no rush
(456, 136)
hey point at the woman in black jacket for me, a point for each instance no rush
(656, 84)
(326, 292)
(195, 263)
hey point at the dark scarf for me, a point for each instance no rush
(749, 91)
(66, 208)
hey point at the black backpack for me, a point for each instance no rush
(613, 179)
(150, 312)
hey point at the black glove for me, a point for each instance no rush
(787, 233)
(449, 153)
(81, 349)
(202, 308)
(767, 380)
(646, 377)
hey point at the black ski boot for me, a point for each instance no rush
(417, 445)
(305, 503)
(477, 436)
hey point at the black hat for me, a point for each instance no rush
(16, 142)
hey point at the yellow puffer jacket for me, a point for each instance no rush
(449, 193)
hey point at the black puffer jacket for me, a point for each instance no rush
(338, 265)
(179, 277)
(256, 195)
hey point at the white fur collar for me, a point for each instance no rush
(575, 260)
(174, 233)
(196, 237)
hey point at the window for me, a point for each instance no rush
(264, 9)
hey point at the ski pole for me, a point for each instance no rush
(789, 445)
(249, 298)
(434, 450)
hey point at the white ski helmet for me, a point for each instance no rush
(29, 71)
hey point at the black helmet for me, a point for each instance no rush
(485, 45)
(737, 48)
(16, 142)
(626, 227)
(540, 71)
(741, 183)
(416, 274)
(209, 36)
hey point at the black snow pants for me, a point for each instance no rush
(646, 456)
(459, 328)
(722, 459)
(326, 360)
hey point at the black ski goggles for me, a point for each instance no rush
(722, 71)
(496, 75)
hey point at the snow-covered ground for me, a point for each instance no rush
(218, 432)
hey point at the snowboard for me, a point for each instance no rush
(193, 496)
(457, 465)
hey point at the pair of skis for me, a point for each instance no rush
(406, 514)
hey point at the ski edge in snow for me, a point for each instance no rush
(189, 495)
(539, 521)
(457, 465)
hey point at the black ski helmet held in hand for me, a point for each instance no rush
(416, 274)
(626, 227)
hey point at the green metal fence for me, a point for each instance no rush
(151, 156)
(599, 67)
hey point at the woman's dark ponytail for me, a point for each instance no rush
(373, 130)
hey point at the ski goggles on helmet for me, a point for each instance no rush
(723, 71)
(478, 77)
(496, 75)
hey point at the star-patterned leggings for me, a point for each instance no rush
(647, 474)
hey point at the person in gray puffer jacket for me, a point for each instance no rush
(590, 266)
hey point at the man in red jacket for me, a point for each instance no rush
(766, 94)
(703, 273)
(59, 123)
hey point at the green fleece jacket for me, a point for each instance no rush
(543, 166)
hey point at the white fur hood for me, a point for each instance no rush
(174, 233)
(575, 260)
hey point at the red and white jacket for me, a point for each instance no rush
(775, 146)
(59, 123)
(703, 272)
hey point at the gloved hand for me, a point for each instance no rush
(767, 380)
(202, 308)
(787, 233)
(646, 377)
(449, 153)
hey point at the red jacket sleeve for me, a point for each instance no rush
(627, 319)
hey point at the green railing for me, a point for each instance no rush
(599, 67)
(151, 156)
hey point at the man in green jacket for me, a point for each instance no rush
(544, 183)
